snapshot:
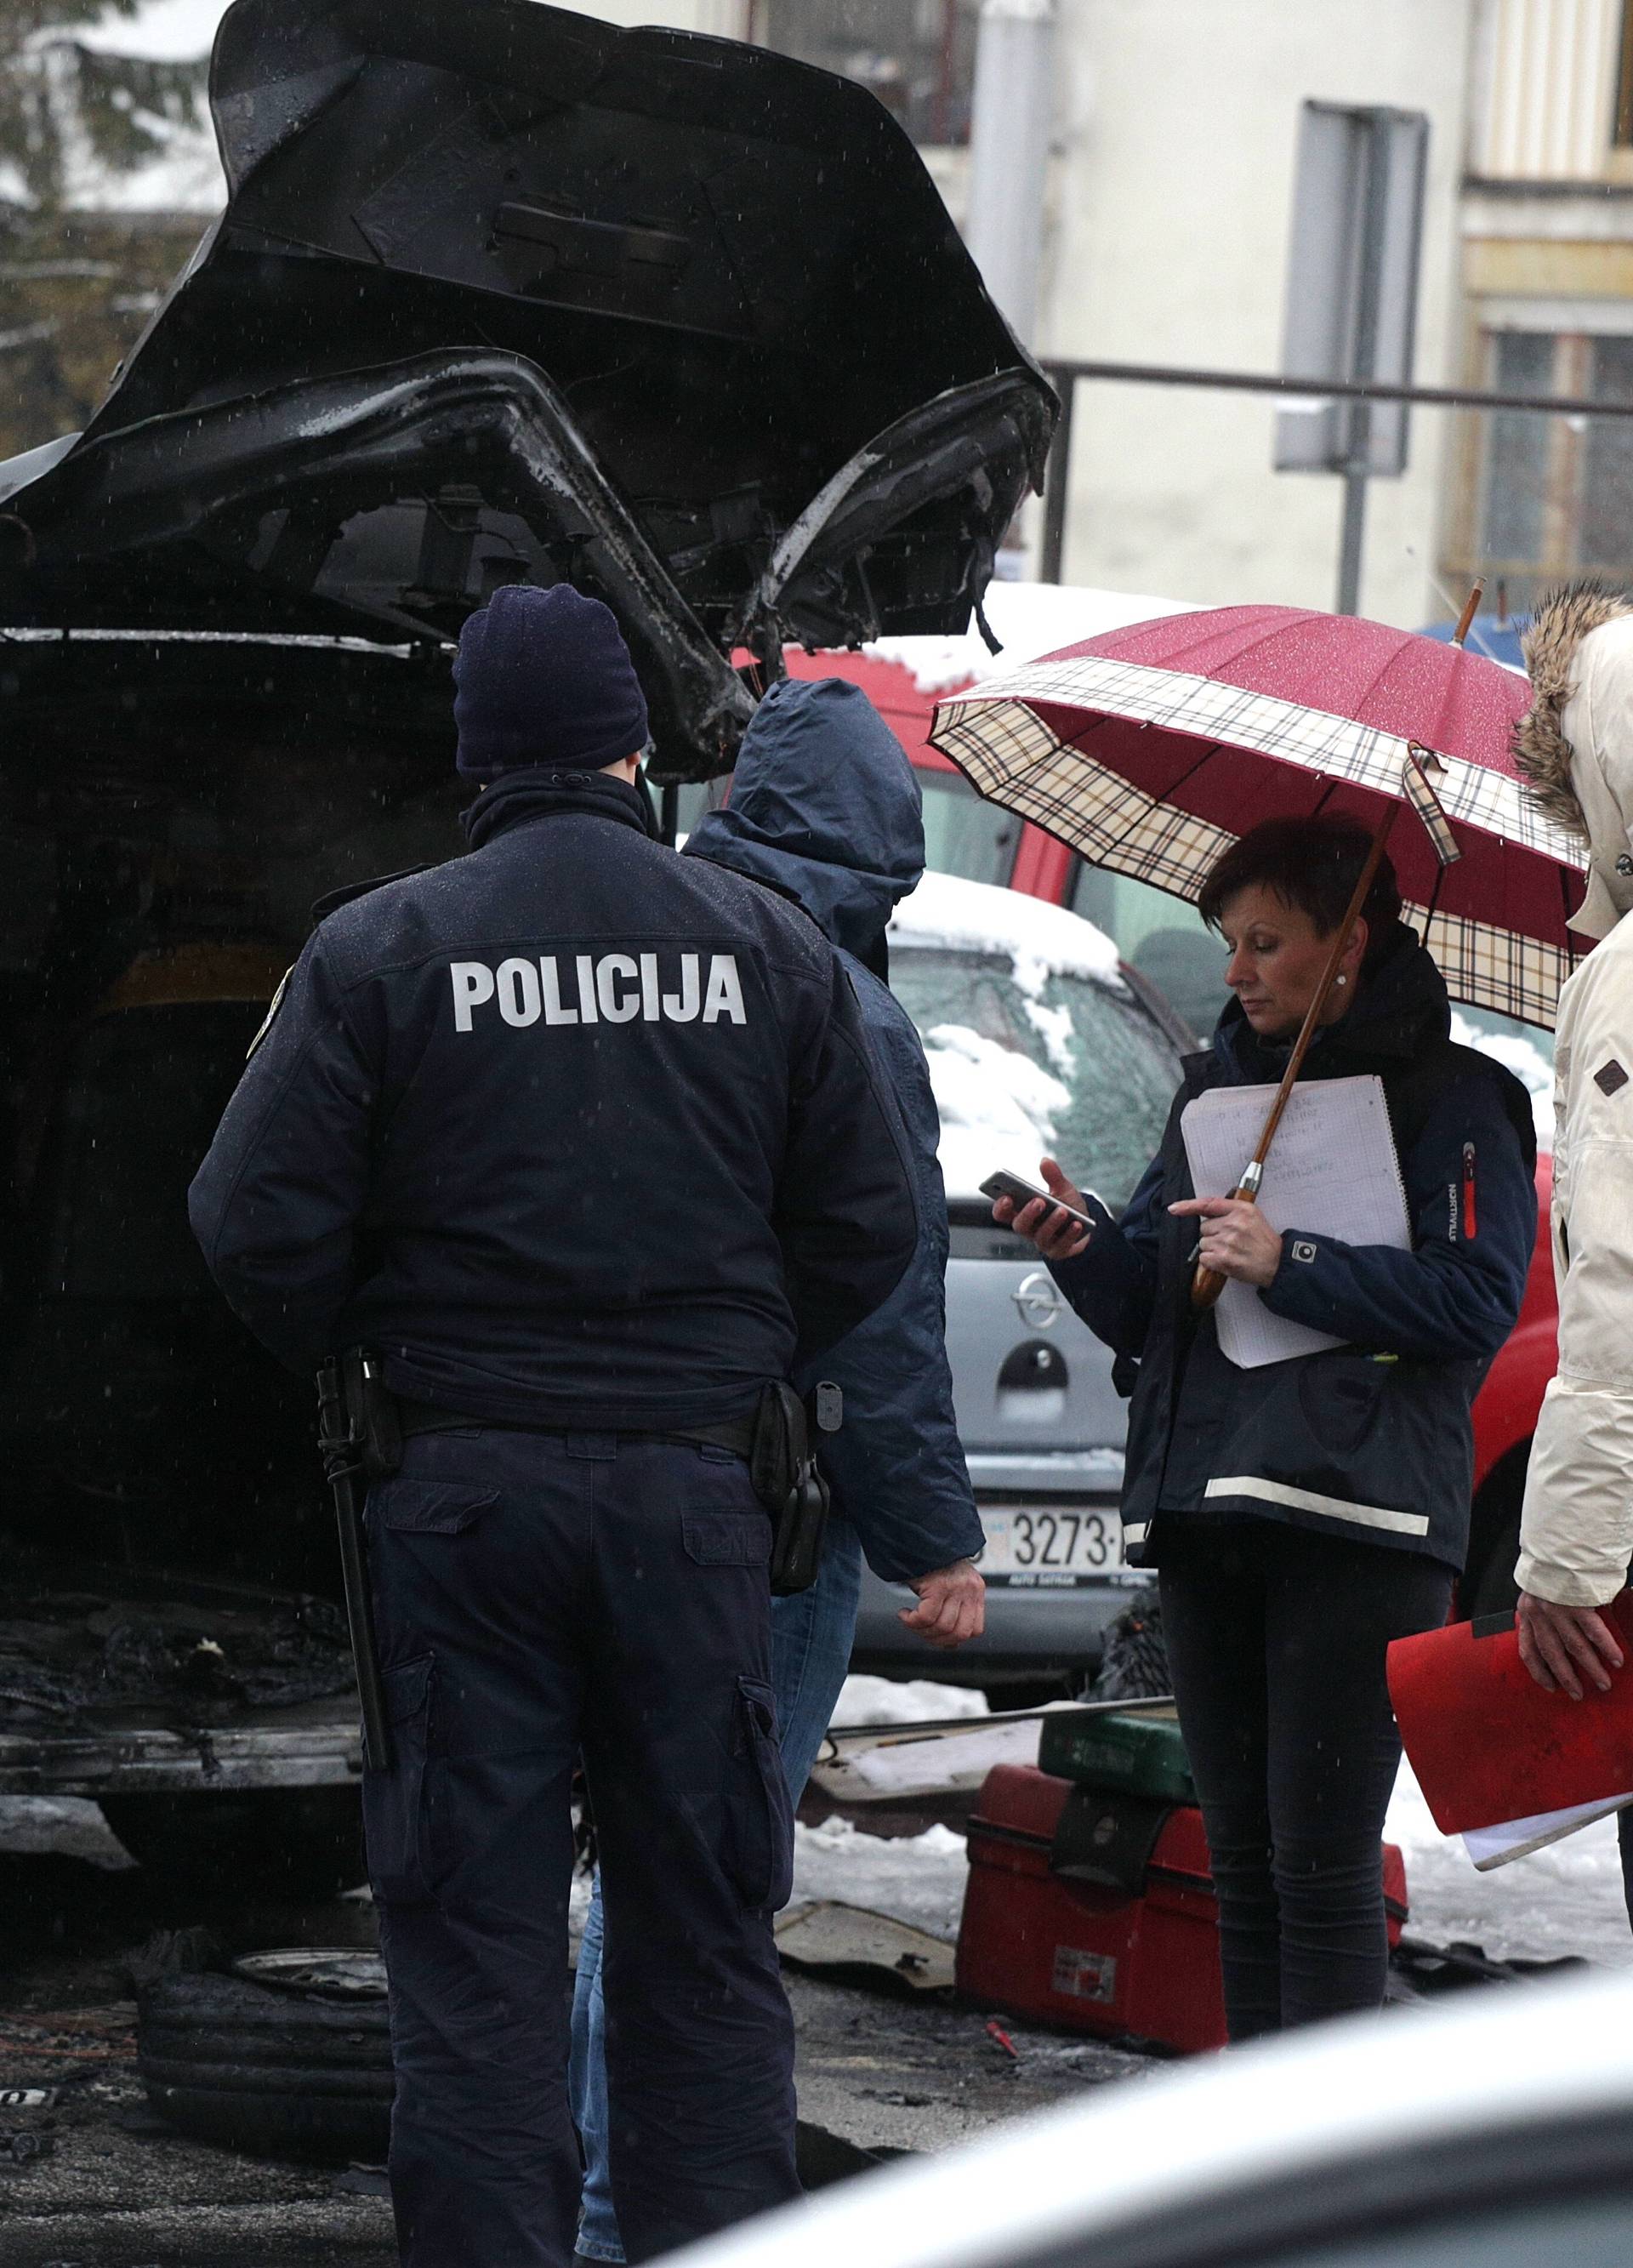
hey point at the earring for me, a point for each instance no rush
(1340, 978)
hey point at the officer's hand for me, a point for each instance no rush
(1559, 1644)
(1056, 1235)
(951, 1605)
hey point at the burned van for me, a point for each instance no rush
(499, 294)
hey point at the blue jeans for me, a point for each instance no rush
(811, 1640)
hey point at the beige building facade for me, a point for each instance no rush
(1546, 278)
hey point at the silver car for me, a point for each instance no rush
(1040, 1040)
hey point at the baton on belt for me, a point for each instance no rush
(341, 1437)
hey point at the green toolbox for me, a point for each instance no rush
(1126, 1755)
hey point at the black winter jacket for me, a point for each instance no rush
(1372, 1439)
(573, 1132)
(824, 808)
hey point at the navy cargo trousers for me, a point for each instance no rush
(540, 1596)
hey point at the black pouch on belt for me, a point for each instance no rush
(374, 1415)
(783, 1469)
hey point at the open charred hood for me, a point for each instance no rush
(501, 293)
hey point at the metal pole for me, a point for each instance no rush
(1363, 362)
(1056, 486)
(1341, 389)
(1351, 543)
(1010, 127)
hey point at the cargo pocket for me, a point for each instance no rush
(419, 1507)
(1341, 1397)
(760, 1818)
(727, 1539)
(393, 1802)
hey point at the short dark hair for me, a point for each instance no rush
(1313, 864)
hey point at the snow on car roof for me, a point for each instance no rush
(1028, 619)
(1040, 938)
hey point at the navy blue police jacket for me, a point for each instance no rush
(575, 1133)
(1372, 1439)
(824, 808)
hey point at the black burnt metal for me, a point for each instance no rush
(502, 292)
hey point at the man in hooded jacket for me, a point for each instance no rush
(824, 810)
(1575, 748)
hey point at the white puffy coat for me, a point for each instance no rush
(1576, 748)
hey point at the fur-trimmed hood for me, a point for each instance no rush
(1574, 745)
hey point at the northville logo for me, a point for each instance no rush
(617, 989)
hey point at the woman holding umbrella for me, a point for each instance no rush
(1304, 1513)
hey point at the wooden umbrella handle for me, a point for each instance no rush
(1207, 1283)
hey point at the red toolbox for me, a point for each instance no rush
(1097, 1911)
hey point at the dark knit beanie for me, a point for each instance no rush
(544, 677)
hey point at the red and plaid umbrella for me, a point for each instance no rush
(1151, 749)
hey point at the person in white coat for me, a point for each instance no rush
(1575, 748)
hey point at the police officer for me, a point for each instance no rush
(583, 1139)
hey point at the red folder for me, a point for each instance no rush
(1487, 1744)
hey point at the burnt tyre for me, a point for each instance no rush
(300, 2069)
(287, 1843)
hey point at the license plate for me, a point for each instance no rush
(1044, 1543)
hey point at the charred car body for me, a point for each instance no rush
(500, 293)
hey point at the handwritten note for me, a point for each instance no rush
(1332, 1170)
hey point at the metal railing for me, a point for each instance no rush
(1064, 376)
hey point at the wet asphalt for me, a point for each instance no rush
(113, 2186)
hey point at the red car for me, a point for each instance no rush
(968, 837)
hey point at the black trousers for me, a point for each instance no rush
(539, 1596)
(1277, 1640)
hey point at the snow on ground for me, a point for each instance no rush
(1028, 619)
(906, 1701)
(917, 1879)
(1566, 1899)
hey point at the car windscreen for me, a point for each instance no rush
(1027, 1060)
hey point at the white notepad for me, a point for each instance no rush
(1332, 1169)
(1517, 1839)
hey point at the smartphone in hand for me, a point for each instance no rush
(1005, 1185)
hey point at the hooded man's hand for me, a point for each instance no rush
(951, 1605)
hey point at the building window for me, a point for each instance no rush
(1605, 534)
(1517, 449)
(1555, 494)
(918, 56)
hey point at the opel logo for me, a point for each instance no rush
(1037, 1300)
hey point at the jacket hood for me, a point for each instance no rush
(825, 807)
(1574, 745)
(1402, 1002)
